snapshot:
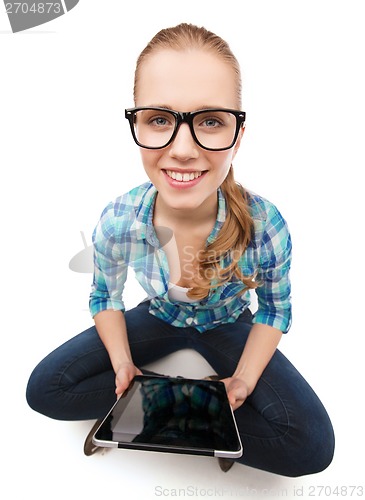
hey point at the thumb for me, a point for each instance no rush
(233, 396)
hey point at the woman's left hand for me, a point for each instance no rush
(237, 391)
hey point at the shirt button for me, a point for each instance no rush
(189, 321)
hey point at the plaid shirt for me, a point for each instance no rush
(125, 237)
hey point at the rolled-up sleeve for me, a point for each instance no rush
(273, 292)
(110, 269)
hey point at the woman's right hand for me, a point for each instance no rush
(124, 376)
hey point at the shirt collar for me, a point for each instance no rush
(221, 217)
(143, 223)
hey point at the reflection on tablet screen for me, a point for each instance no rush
(173, 412)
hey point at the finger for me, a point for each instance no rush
(236, 396)
(124, 379)
(231, 398)
(235, 402)
(122, 383)
(119, 391)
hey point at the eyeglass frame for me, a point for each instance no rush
(185, 117)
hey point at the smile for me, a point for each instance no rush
(186, 177)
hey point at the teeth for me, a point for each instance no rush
(178, 176)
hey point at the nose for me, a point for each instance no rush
(183, 147)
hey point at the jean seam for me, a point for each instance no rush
(66, 367)
(284, 434)
(262, 378)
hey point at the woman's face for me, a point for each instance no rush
(187, 81)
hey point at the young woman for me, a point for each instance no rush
(198, 242)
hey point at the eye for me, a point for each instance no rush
(211, 122)
(161, 121)
(158, 121)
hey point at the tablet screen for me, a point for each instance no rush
(186, 415)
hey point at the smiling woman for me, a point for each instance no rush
(192, 228)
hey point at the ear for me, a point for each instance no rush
(238, 142)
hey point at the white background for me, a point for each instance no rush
(65, 151)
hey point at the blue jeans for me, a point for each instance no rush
(283, 425)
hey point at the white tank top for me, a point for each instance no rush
(179, 293)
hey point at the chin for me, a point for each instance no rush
(182, 200)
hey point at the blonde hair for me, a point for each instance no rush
(236, 232)
(187, 36)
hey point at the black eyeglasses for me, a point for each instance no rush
(212, 129)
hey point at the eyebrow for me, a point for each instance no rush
(166, 106)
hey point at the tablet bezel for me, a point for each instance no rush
(185, 449)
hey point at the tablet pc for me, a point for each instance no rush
(172, 414)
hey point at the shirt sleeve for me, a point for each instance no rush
(273, 292)
(110, 270)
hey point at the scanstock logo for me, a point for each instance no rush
(28, 14)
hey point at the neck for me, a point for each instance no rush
(204, 214)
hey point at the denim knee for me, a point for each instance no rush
(315, 449)
(36, 392)
(322, 448)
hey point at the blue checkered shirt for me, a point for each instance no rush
(125, 238)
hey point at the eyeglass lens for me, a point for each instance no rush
(213, 129)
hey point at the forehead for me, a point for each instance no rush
(186, 80)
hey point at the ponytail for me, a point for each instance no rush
(229, 246)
